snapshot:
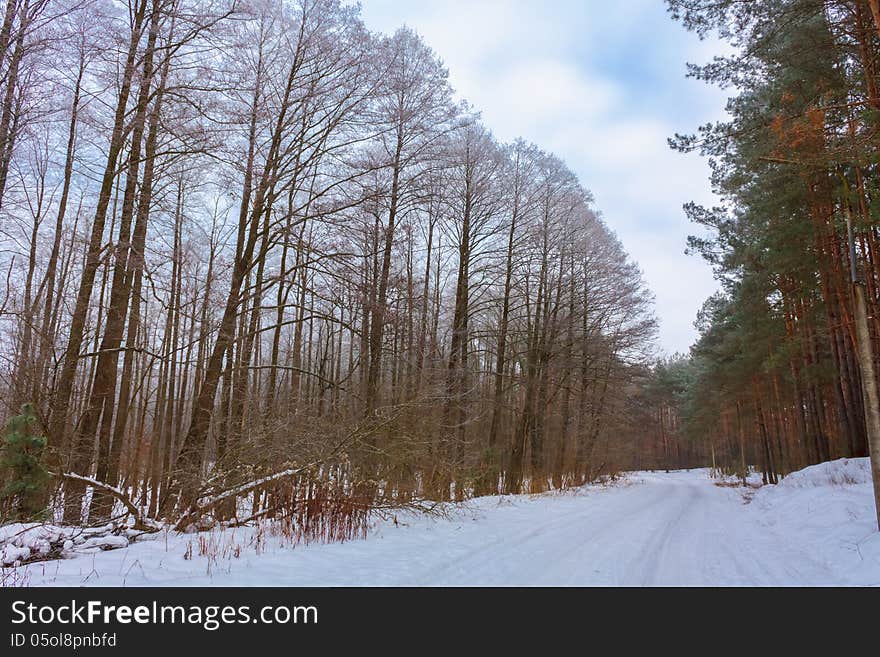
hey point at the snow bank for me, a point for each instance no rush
(844, 472)
(828, 511)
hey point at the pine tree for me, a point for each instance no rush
(24, 494)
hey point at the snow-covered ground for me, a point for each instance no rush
(815, 528)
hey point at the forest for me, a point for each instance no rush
(784, 374)
(257, 261)
(260, 262)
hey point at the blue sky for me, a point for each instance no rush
(601, 84)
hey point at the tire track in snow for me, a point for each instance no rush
(554, 542)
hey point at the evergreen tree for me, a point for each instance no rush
(26, 479)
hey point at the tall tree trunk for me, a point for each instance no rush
(63, 390)
(47, 327)
(102, 397)
(377, 324)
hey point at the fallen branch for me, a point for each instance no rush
(201, 505)
(205, 502)
(212, 502)
(140, 523)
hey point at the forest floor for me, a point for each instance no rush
(678, 529)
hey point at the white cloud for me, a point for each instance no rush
(540, 91)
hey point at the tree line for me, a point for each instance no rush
(248, 241)
(784, 368)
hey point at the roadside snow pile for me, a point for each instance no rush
(844, 472)
(828, 510)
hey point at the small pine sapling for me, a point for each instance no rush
(26, 480)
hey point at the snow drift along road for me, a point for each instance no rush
(816, 528)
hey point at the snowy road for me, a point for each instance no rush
(653, 529)
(672, 529)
